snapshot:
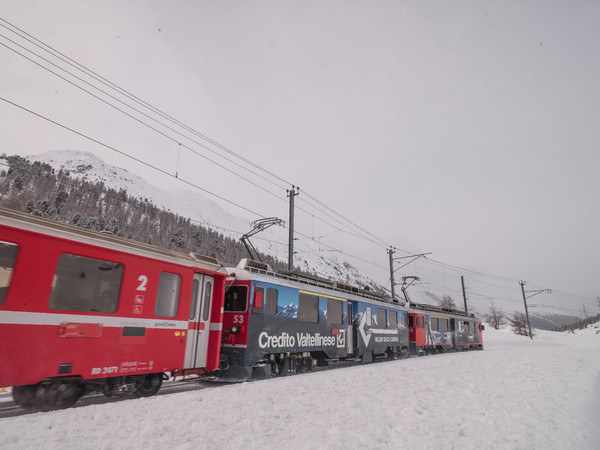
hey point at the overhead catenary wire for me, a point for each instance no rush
(165, 135)
(344, 222)
(153, 167)
(44, 46)
(107, 83)
(158, 169)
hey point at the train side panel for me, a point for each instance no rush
(71, 309)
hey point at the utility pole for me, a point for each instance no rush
(462, 280)
(391, 252)
(291, 194)
(522, 283)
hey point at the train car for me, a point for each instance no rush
(82, 311)
(276, 323)
(433, 329)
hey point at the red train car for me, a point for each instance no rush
(432, 329)
(82, 311)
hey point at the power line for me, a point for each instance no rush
(343, 221)
(97, 77)
(132, 157)
(135, 118)
(42, 45)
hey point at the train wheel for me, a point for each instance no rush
(52, 395)
(308, 363)
(24, 396)
(147, 385)
(275, 369)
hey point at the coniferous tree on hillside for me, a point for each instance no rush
(447, 302)
(38, 189)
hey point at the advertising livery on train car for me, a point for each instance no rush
(276, 323)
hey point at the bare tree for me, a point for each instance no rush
(519, 324)
(495, 317)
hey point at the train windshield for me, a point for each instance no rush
(236, 299)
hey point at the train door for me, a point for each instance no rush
(350, 330)
(416, 332)
(199, 327)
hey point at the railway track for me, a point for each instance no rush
(8, 408)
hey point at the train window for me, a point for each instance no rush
(86, 284)
(434, 324)
(271, 305)
(334, 311)
(381, 318)
(411, 321)
(368, 314)
(194, 299)
(8, 255)
(393, 319)
(207, 298)
(259, 296)
(235, 299)
(167, 297)
(443, 324)
(308, 308)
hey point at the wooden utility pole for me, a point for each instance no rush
(291, 194)
(522, 283)
(462, 280)
(390, 253)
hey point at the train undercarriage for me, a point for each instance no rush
(60, 393)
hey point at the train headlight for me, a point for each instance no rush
(234, 329)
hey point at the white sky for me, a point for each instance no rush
(464, 128)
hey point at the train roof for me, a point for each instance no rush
(439, 309)
(249, 269)
(41, 225)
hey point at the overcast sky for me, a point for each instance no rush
(464, 128)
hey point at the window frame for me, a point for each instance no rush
(236, 288)
(308, 308)
(271, 301)
(168, 294)
(206, 299)
(6, 273)
(337, 308)
(393, 315)
(382, 318)
(99, 293)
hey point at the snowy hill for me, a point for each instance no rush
(180, 201)
(194, 205)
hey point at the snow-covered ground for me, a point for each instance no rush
(517, 393)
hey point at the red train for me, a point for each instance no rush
(83, 311)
